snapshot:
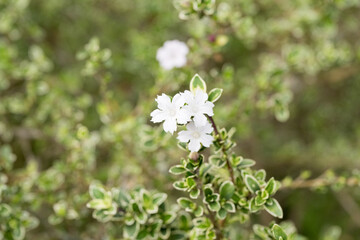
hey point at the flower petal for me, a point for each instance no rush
(183, 116)
(200, 96)
(207, 108)
(172, 54)
(191, 126)
(194, 145)
(158, 116)
(188, 96)
(170, 125)
(184, 136)
(206, 140)
(180, 61)
(163, 101)
(200, 120)
(178, 100)
(207, 128)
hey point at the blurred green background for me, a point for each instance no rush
(78, 81)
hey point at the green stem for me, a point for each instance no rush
(210, 215)
(318, 182)
(221, 142)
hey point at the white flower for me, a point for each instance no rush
(197, 136)
(172, 54)
(170, 112)
(197, 106)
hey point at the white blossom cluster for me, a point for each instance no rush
(186, 108)
(172, 54)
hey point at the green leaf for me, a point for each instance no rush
(190, 181)
(101, 216)
(99, 204)
(155, 228)
(198, 211)
(260, 231)
(177, 170)
(184, 221)
(210, 235)
(216, 161)
(129, 219)
(178, 235)
(168, 217)
(215, 94)
(151, 209)
(273, 207)
(204, 169)
(259, 200)
(227, 190)
(112, 210)
(97, 191)
(159, 198)
(194, 194)
(142, 234)
(214, 206)
(278, 232)
(221, 214)
(197, 83)
(253, 207)
(18, 233)
(271, 186)
(60, 208)
(260, 175)
(145, 197)
(223, 133)
(246, 163)
(180, 185)
(5, 210)
(264, 194)
(183, 146)
(185, 202)
(131, 231)
(229, 206)
(140, 215)
(202, 223)
(190, 166)
(164, 233)
(252, 184)
(235, 161)
(120, 197)
(282, 113)
(55, 220)
(208, 190)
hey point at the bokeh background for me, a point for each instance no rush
(78, 81)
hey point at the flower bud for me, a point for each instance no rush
(194, 156)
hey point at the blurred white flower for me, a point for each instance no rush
(172, 54)
(197, 136)
(170, 112)
(197, 106)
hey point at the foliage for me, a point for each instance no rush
(77, 84)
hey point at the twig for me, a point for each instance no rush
(210, 214)
(231, 171)
(320, 181)
(214, 126)
(313, 183)
(350, 206)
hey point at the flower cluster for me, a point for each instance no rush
(172, 54)
(190, 108)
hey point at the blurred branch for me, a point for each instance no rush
(340, 73)
(350, 206)
(327, 179)
(16, 86)
(28, 133)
